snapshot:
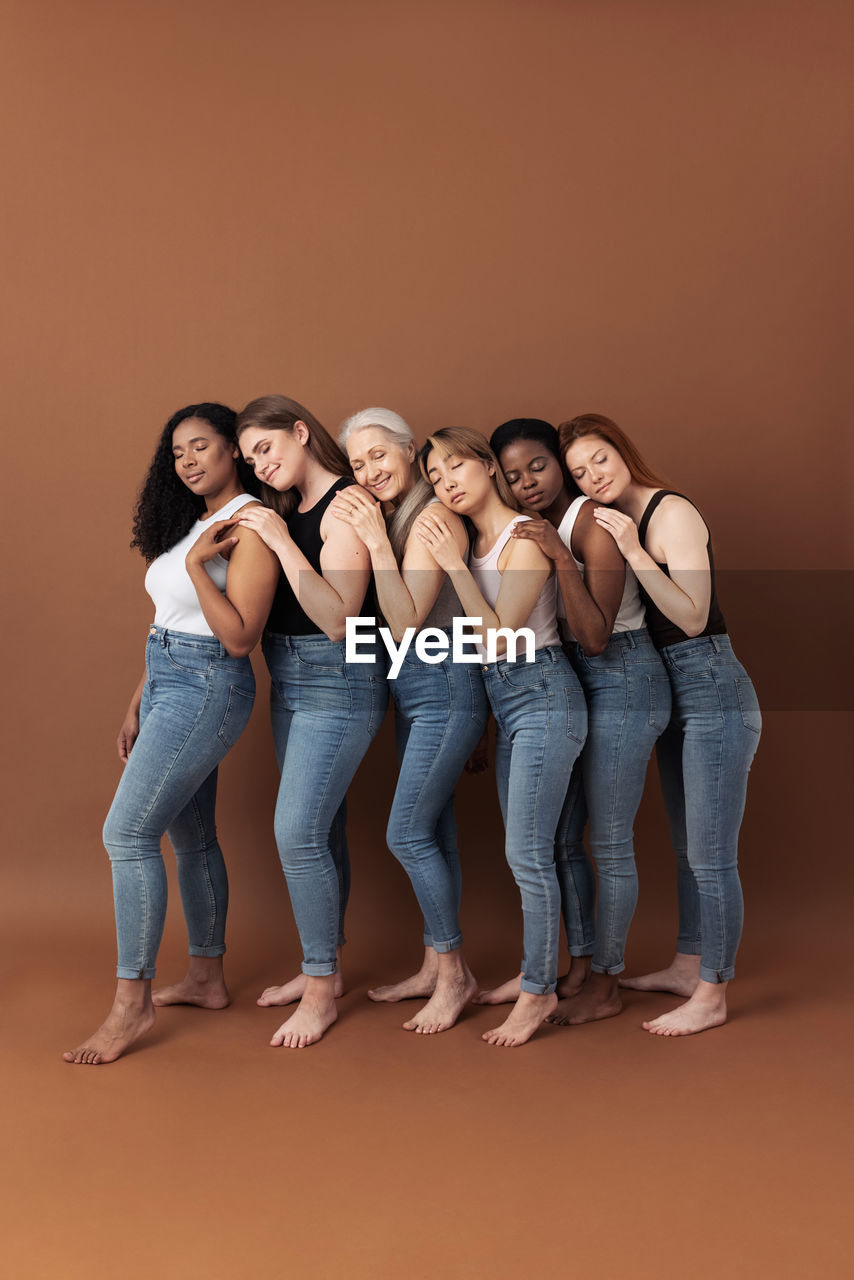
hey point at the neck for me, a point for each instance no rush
(491, 517)
(633, 500)
(214, 501)
(313, 483)
(558, 509)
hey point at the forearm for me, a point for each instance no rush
(224, 620)
(471, 599)
(687, 613)
(585, 619)
(395, 601)
(136, 700)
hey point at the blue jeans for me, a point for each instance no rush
(325, 712)
(440, 714)
(541, 718)
(628, 707)
(703, 759)
(195, 704)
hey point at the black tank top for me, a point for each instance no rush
(662, 631)
(286, 617)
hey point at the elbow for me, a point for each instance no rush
(695, 628)
(592, 648)
(239, 650)
(336, 632)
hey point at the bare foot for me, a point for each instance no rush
(507, 993)
(527, 1014)
(314, 1015)
(598, 998)
(204, 986)
(680, 977)
(420, 985)
(454, 988)
(575, 977)
(291, 991)
(705, 1009)
(130, 1017)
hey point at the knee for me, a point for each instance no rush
(293, 840)
(404, 840)
(119, 837)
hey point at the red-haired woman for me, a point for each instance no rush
(705, 753)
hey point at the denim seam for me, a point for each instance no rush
(413, 808)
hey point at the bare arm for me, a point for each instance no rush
(334, 594)
(236, 618)
(679, 538)
(129, 731)
(591, 601)
(525, 573)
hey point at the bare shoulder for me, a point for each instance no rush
(675, 524)
(523, 553)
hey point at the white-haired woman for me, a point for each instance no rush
(440, 708)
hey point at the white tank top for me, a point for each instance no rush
(485, 571)
(631, 615)
(176, 604)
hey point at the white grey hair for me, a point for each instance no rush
(403, 517)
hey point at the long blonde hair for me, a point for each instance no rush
(280, 413)
(465, 442)
(397, 430)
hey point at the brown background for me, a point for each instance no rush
(465, 211)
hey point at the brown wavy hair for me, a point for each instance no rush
(595, 424)
(465, 442)
(280, 413)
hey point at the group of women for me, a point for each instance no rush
(260, 522)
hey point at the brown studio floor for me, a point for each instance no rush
(597, 1151)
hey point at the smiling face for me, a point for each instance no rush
(460, 483)
(380, 465)
(533, 473)
(598, 469)
(204, 460)
(275, 455)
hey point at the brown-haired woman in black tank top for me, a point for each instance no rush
(705, 754)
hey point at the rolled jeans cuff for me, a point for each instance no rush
(320, 970)
(610, 969)
(133, 974)
(579, 951)
(444, 947)
(218, 950)
(717, 975)
(537, 988)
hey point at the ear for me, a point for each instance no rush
(490, 468)
(410, 451)
(301, 431)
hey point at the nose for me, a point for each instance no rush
(529, 482)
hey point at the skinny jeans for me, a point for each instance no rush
(196, 702)
(704, 757)
(541, 719)
(325, 712)
(440, 714)
(628, 707)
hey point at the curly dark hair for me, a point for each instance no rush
(166, 509)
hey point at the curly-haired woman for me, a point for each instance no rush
(212, 585)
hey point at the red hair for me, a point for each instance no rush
(595, 424)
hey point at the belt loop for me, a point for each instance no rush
(715, 645)
(630, 640)
(163, 634)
